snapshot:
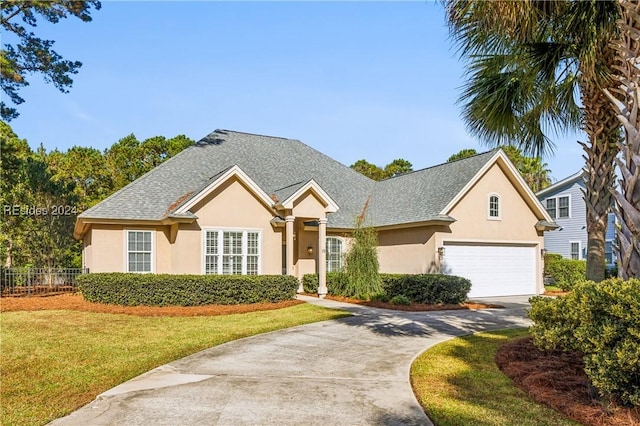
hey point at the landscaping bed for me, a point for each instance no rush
(413, 307)
(557, 379)
(76, 302)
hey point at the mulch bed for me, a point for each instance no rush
(76, 302)
(414, 307)
(557, 379)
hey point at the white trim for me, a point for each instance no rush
(571, 243)
(126, 250)
(312, 185)
(557, 205)
(342, 251)
(528, 193)
(571, 179)
(221, 230)
(234, 171)
(489, 196)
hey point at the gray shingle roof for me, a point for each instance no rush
(423, 194)
(280, 167)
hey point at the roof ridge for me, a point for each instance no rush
(224, 131)
(440, 165)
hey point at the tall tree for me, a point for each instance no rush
(533, 170)
(128, 159)
(626, 101)
(32, 54)
(397, 167)
(526, 61)
(462, 154)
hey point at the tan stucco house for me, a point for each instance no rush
(238, 203)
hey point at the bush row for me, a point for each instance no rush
(564, 273)
(419, 288)
(602, 322)
(185, 290)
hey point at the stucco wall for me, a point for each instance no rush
(407, 251)
(231, 206)
(516, 223)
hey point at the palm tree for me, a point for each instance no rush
(626, 101)
(527, 60)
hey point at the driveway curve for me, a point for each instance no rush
(350, 371)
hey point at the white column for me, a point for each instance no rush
(322, 258)
(289, 220)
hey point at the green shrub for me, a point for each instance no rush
(380, 297)
(420, 288)
(335, 281)
(427, 288)
(602, 322)
(185, 290)
(400, 300)
(564, 273)
(361, 265)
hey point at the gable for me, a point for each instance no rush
(232, 204)
(516, 220)
(503, 174)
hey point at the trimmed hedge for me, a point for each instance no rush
(428, 288)
(334, 282)
(185, 290)
(602, 322)
(419, 288)
(564, 273)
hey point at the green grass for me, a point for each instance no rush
(458, 383)
(56, 361)
(552, 288)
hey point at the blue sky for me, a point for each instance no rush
(354, 80)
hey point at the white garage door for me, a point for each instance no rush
(494, 270)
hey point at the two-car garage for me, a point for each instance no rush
(493, 269)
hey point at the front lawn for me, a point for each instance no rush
(55, 361)
(458, 383)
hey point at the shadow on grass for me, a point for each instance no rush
(470, 388)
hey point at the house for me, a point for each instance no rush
(239, 203)
(564, 202)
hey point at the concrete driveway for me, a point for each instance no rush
(351, 371)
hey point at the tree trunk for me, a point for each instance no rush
(603, 130)
(596, 250)
(628, 194)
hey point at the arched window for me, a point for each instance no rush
(334, 254)
(494, 206)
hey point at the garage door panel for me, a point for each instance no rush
(494, 270)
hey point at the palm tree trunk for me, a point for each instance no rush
(603, 129)
(628, 195)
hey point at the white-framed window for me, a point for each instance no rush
(494, 207)
(335, 254)
(139, 251)
(551, 207)
(232, 251)
(574, 250)
(559, 207)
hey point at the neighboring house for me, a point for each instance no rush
(564, 202)
(238, 203)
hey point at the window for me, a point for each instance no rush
(608, 253)
(575, 250)
(334, 254)
(234, 252)
(563, 207)
(551, 207)
(139, 251)
(494, 206)
(558, 207)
